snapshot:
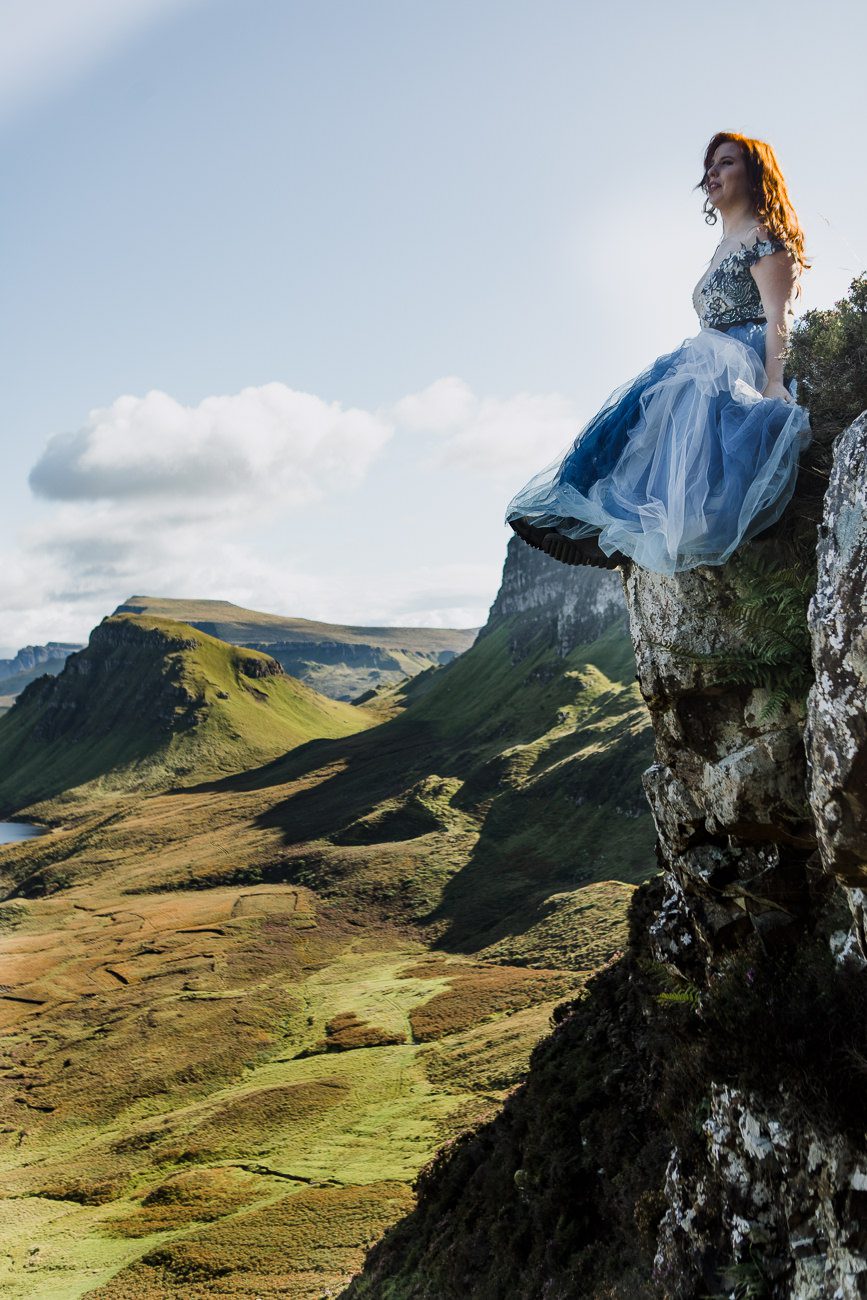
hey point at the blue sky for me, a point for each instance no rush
(296, 295)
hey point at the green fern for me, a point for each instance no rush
(689, 995)
(746, 1279)
(772, 622)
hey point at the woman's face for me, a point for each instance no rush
(726, 178)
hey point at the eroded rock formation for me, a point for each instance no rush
(761, 813)
(727, 789)
(576, 605)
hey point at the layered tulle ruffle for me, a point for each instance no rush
(683, 463)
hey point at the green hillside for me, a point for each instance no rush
(296, 970)
(151, 702)
(502, 808)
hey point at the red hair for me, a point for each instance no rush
(768, 192)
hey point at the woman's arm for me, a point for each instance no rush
(776, 277)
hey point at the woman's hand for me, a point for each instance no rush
(774, 388)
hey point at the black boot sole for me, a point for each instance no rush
(565, 549)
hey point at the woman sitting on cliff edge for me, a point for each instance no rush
(699, 453)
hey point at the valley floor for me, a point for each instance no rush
(226, 1090)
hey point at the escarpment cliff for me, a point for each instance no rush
(571, 606)
(695, 1126)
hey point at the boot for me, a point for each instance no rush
(585, 550)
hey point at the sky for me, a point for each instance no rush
(295, 296)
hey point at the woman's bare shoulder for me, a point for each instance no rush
(764, 235)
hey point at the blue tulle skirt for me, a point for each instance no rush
(682, 464)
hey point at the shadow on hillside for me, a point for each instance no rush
(531, 844)
(358, 772)
(480, 866)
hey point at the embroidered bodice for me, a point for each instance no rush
(728, 295)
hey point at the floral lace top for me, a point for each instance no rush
(728, 295)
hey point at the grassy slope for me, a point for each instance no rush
(506, 785)
(194, 950)
(172, 704)
(172, 1121)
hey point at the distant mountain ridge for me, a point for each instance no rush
(30, 662)
(36, 656)
(340, 661)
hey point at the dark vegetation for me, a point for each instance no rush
(828, 357)
(560, 1196)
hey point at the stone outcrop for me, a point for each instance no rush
(837, 710)
(727, 790)
(790, 1202)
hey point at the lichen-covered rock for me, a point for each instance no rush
(787, 1204)
(727, 790)
(837, 708)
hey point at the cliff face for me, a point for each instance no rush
(573, 606)
(695, 1126)
(761, 816)
(837, 721)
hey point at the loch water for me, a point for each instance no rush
(12, 831)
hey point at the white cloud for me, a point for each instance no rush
(442, 407)
(254, 445)
(67, 579)
(246, 497)
(46, 44)
(500, 437)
